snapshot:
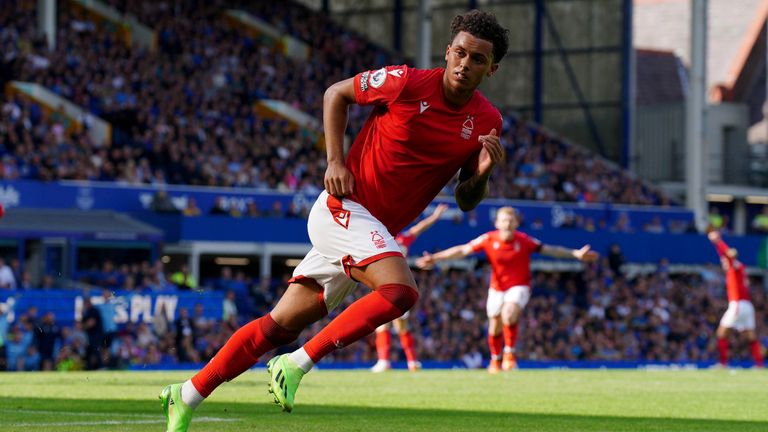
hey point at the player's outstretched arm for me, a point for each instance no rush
(473, 178)
(717, 240)
(427, 261)
(584, 254)
(338, 97)
(428, 221)
(722, 248)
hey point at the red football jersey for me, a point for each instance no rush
(736, 283)
(413, 142)
(510, 260)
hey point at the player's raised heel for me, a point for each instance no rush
(177, 414)
(494, 367)
(285, 376)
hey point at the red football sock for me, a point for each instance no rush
(754, 346)
(722, 346)
(361, 318)
(510, 336)
(383, 344)
(241, 351)
(495, 342)
(406, 340)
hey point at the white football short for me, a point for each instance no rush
(518, 294)
(343, 235)
(740, 316)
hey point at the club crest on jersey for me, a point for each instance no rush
(378, 240)
(364, 81)
(378, 78)
(468, 127)
(341, 217)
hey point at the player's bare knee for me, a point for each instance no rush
(401, 296)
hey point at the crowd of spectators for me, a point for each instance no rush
(95, 341)
(162, 203)
(596, 314)
(185, 114)
(543, 167)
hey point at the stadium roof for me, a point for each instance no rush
(732, 26)
(93, 225)
(659, 77)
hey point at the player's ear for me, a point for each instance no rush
(447, 50)
(492, 70)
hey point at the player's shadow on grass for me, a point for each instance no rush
(267, 417)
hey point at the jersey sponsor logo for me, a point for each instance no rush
(378, 240)
(423, 105)
(396, 73)
(377, 78)
(468, 127)
(364, 81)
(341, 217)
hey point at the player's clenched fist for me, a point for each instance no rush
(338, 181)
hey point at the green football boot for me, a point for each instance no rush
(285, 376)
(177, 413)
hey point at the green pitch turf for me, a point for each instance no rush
(718, 400)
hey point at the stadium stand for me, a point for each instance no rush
(185, 115)
(589, 316)
(208, 110)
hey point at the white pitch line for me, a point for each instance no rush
(117, 422)
(79, 414)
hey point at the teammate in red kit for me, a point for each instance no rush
(383, 335)
(426, 126)
(740, 315)
(509, 252)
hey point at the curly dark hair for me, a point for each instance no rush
(483, 25)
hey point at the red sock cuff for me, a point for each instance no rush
(276, 334)
(361, 318)
(400, 295)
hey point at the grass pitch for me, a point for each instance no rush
(528, 400)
